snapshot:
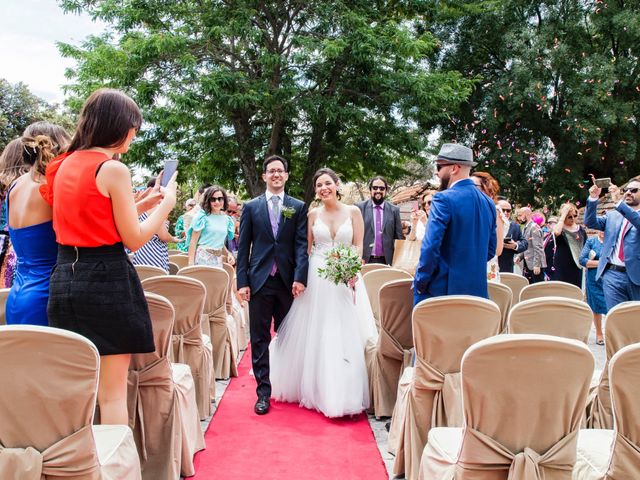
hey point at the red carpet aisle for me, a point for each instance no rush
(288, 442)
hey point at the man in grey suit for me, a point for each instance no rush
(534, 258)
(382, 225)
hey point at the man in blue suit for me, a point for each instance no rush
(619, 264)
(461, 232)
(272, 265)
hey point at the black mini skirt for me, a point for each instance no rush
(96, 293)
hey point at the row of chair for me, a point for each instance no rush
(442, 329)
(522, 401)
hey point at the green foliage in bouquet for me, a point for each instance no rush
(343, 264)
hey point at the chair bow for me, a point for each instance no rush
(482, 452)
(186, 338)
(74, 455)
(447, 402)
(156, 374)
(626, 461)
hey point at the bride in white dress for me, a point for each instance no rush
(317, 357)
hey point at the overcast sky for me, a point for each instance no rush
(29, 30)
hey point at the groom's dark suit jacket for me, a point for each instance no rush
(257, 248)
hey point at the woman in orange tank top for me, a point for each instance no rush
(94, 289)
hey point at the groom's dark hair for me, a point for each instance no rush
(274, 158)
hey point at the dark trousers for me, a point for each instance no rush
(273, 300)
(381, 260)
(528, 274)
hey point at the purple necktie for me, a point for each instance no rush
(377, 246)
(274, 217)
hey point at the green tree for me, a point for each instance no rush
(347, 84)
(559, 99)
(19, 108)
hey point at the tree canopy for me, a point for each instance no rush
(348, 84)
(560, 92)
(19, 108)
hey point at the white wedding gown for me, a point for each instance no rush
(317, 356)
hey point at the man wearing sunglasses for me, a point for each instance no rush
(382, 225)
(619, 264)
(461, 232)
(513, 240)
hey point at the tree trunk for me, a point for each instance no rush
(242, 130)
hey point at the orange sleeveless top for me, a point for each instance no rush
(82, 216)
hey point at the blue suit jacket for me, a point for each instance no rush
(460, 240)
(257, 247)
(611, 223)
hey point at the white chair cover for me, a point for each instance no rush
(563, 317)
(621, 329)
(523, 397)
(515, 282)
(187, 295)
(551, 289)
(49, 381)
(392, 352)
(503, 296)
(429, 393)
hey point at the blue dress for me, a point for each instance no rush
(595, 293)
(36, 250)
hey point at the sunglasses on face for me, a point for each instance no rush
(570, 217)
(427, 203)
(217, 199)
(506, 210)
(631, 190)
(440, 166)
(232, 212)
(376, 188)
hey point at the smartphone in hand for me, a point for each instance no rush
(170, 167)
(603, 182)
(508, 238)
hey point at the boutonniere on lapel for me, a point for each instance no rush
(288, 212)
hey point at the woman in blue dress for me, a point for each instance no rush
(595, 295)
(31, 227)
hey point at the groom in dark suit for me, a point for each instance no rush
(272, 265)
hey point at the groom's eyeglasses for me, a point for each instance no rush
(217, 199)
(273, 171)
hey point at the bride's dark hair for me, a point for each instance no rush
(331, 173)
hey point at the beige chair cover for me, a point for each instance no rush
(406, 255)
(503, 296)
(181, 260)
(4, 293)
(49, 381)
(558, 316)
(175, 251)
(373, 280)
(522, 400)
(234, 308)
(370, 267)
(223, 326)
(551, 289)
(154, 409)
(147, 271)
(173, 268)
(443, 329)
(392, 352)
(621, 329)
(515, 282)
(612, 455)
(187, 295)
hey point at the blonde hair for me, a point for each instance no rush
(12, 164)
(38, 151)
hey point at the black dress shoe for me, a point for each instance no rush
(262, 405)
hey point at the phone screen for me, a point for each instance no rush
(170, 166)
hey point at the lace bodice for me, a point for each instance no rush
(322, 240)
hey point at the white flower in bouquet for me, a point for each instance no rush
(343, 263)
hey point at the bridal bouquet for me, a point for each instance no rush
(343, 263)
